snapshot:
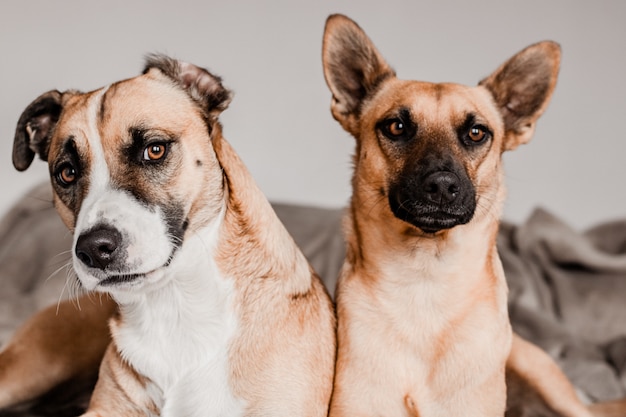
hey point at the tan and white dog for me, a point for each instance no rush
(219, 312)
(423, 328)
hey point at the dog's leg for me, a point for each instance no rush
(535, 382)
(58, 344)
(615, 408)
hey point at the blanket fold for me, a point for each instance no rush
(567, 293)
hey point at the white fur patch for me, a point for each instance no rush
(178, 335)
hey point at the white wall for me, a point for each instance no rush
(269, 53)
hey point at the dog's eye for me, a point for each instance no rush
(154, 152)
(394, 129)
(398, 128)
(67, 175)
(477, 135)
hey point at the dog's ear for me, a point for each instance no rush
(522, 88)
(34, 129)
(353, 68)
(202, 86)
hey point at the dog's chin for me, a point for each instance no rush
(431, 221)
(116, 282)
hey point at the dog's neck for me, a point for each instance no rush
(251, 227)
(394, 250)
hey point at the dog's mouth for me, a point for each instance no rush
(121, 279)
(110, 279)
(119, 282)
(430, 219)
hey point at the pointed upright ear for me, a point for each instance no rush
(353, 68)
(204, 88)
(34, 129)
(522, 88)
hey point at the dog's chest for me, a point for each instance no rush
(432, 331)
(178, 338)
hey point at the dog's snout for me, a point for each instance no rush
(98, 248)
(442, 187)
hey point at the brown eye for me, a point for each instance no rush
(477, 134)
(396, 128)
(399, 129)
(67, 175)
(154, 152)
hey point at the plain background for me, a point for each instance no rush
(269, 53)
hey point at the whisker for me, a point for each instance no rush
(75, 288)
(65, 264)
(60, 299)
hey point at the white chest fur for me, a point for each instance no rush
(178, 335)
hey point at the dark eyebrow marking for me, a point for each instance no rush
(68, 148)
(69, 152)
(470, 120)
(138, 135)
(141, 136)
(70, 145)
(405, 115)
(135, 148)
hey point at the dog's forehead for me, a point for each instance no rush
(144, 101)
(147, 96)
(435, 102)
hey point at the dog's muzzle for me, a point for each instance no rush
(434, 200)
(122, 243)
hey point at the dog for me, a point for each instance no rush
(214, 310)
(423, 327)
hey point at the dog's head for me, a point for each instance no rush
(132, 167)
(432, 150)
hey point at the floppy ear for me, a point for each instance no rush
(522, 88)
(34, 129)
(203, 87)
(353, 68)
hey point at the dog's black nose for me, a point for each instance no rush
(442, 187)
(98, 247)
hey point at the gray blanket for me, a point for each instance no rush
(567, 289)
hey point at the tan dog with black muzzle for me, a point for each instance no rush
(219, 312)
(423, 328)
